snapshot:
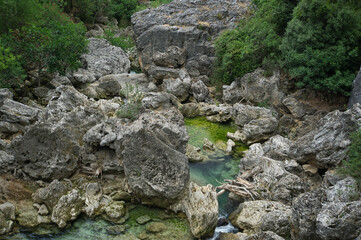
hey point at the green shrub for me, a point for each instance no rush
(352, 167)
(11, 72)
(254, 43)
(131, 108)
(122, 9)
(321, 47)
(124, 42)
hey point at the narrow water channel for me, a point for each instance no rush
(220, 165)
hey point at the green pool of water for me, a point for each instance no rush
(220, 165)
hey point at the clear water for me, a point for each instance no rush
(219, 167)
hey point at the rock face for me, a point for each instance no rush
(158, 174)
(102, 59)
(201, 207)
(356, 91)
(178, 36)
(262, 215)
(256, 88)
(51, 194)
(326, 145)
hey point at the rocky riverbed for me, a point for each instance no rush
(65, 155)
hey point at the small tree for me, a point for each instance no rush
(11, 72)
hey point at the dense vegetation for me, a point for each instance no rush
(49, 35)
(315, 41)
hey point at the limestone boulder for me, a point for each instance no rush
(67, 209)
(263, 215)
(93, 195)
(51, 194)
(201, 207)
(7, 217)
(356, 91)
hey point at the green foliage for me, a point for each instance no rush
(126, 43)
(153, 4)
(254, 43)
(352, 167)
(17, 13)
(11, 72)
(122, 9)
(321, 47)
(132, 107)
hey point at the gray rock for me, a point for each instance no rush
(256, 123)
(115, 210)
(268, 235)
(7, 163)
(178, 87)
(5, 93)
(208, 145)
(143, 219)
(262, 215)
(7, 217)
(43, 210)
(305, 209)
(343, 191)
(326, 145)
(93, 194)
(297, 108)
(60, 80)
(256, 88)
(156, 227)
(339, 221)
(116, 229)
(199, 91)
(159, 100)
(51, 194)
(158, 174)
(201, 207)
(190, 110)
(15, 112)
(67, 209)
(356, 91)
(277, 147)
(27, 215)
(194, 154)
(102, 59)
(179, 35)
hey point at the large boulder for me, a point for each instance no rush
(326, 145)
(7, 162)
(255, 216)
(51, 194)
(67, 209)
(201, 207)
(255, 123)
(179, 35)
(256, 88)
(157, 174)
(356, 91)
(102, 59)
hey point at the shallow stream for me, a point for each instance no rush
(220, 166)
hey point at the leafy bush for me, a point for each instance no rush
(352, 167)
(132, 106)
(254, 42)
(11, 72)
(122, 9)
(124, 42)
(321, 47)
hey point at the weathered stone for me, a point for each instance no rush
(158, 174)
(256, 88)
(143, 219)
(263, 215)
(277, 147)
(305, 209)
(256, 123)
(27, 215)
(194, 154)
(93, 194)
(15, 112)
(208, 145)
(199, 91)
(7, 217)
(116, 229)
(201, 207)
(67, 209)
(230, 145)
(43, 210)
(159, 100)
(7, 163)
(297, 108)
(339, 221)
(343, 191)
(115, 210)
(51, 194)
(102, 59)
(156, 227)
(190, 110)
(120, 195)
(326, 145)
(5, 93)
(178, 87)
